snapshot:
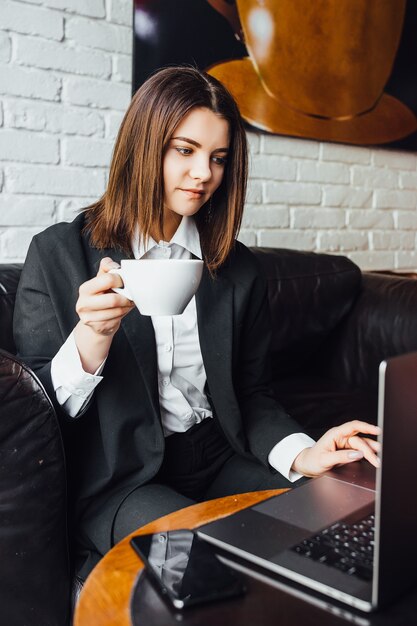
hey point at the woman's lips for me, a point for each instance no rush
(194, 193)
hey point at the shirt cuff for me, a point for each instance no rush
(72, 385)
(284, 453)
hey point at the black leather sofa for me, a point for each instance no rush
(332, 326)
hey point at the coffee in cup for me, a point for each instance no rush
(159, 286)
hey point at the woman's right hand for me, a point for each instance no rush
(101, 311)
(100, 308)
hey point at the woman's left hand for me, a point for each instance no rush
(340, 445)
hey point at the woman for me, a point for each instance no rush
(162, 412)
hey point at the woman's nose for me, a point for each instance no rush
(201, 170)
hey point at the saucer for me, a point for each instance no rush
(388, 121)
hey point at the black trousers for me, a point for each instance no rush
(198, 465)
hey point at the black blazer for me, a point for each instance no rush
(117, 443)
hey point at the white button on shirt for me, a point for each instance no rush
(181, 373)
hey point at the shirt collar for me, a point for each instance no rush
(186, 236)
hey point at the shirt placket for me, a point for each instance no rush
(165, 328)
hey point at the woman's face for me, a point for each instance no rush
(194, 163)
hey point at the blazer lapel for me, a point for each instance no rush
(141, 336)
(214, 300)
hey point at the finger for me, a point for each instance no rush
(107, 315)
(374, 445)
(104, 328)
(106, 265)
(340, 457)
(103, 301)
(362, 445)
(354, 427)
(100, 284)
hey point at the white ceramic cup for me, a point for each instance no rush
(160, 286)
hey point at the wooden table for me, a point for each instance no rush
(105, 598)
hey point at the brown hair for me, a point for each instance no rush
(135, 192)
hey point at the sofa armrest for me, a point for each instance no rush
(34, 566)
(382, 323)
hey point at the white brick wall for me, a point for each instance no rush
(65, 72)
(360, 202)
(65, 80)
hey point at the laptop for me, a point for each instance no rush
(350, 534)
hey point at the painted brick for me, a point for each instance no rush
(53, 118)
(314, 217)
(346, 196)
(48, 55)
(29, 114)
(345, 154)
(105, 36)
(120, 11)
(5, 48)
(387, 199)
(406, 259)
(76, 121)
(323, 172)
(296, 240)
(380, 206)
(360, 219)
(57, 181)
(394, 159)
(408, 181)
(406, 220)
(14, 242)
(274, 144)
(272, 167)
(122, 68)
(254, 142)
(101, 94)
(91, 8)
(31, 83)
(113, 124)
(372, 178)
(22, 18)
(87, 152)
(25, 211)
(248, 237)
(297, 193)
(375, 260)
(69, 208)
(254, 192)
(20, 145)
(392, 241)
(342, 241)
(270, 216)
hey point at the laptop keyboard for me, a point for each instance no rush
(348, 547)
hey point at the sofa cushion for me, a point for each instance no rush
(34, 576)
(309, 294)
(319, 403)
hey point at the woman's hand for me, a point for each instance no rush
(338, 446)
(100, 311)
(98, 306)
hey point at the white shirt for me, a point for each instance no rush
(181, 372)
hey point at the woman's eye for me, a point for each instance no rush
(219, 160)
(184, 151)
